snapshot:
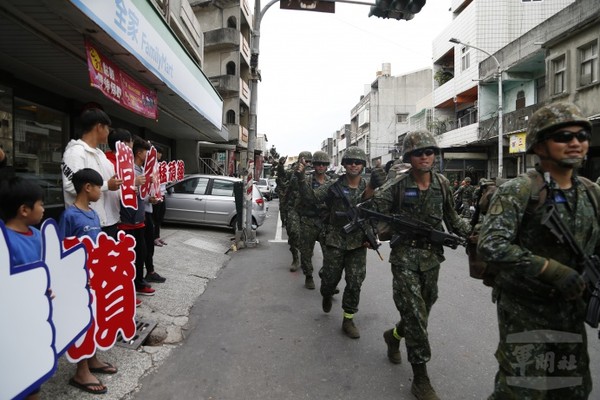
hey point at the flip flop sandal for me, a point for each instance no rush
(87, 387)
(108, 369)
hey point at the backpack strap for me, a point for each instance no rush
(539, 192)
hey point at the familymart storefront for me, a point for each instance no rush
(120, 55)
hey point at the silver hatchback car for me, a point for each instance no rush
(209, 200)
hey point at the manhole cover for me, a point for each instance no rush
(142, 330)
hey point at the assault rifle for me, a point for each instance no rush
(409, 227)
(354, 218)
(590, 263)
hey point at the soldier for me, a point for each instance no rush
(282, 184)
(310, 216)
(465, 194)
(343, 252)
(542, 353)
(426, 196)
(293, 227)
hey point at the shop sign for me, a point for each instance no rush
(138, 27)
(517, 143)
(118, 86)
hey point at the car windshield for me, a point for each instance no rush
(262, 182)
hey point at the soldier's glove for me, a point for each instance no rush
(378, 178)
(564, 278)
(299, 171)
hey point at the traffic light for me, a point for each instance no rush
(397, 9)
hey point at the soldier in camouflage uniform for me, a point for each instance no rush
(426, 196)
(293, 226)
(310, 216)
(465, 192)
(538, 289)
(281, 188)
(343, 252)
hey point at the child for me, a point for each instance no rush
(21, 206)
(132, 221)
(81, 220)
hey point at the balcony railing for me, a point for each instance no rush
(440, 126)
(223, 38)
(512, 122)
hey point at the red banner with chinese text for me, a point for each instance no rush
(118, 86)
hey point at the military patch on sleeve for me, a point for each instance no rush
(496, 208)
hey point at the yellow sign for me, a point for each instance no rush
(517, 143)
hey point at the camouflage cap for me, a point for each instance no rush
(552, 117)
(320, 156)
(307, 155)
(355, 153)
(417, 140)
(467, 179)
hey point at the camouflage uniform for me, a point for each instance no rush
(342, 251)
(415, 269)
(310, 218)
(466, 194)
(542, 353)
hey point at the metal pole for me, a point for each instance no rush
(500, 126)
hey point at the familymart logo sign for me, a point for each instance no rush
(543, 359)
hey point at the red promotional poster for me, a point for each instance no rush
(172, 171)
(232, 169)
(126, 172)
(162, 172)
(180, 169)
(111, 267)
(155, 189)
(151, 158)
(118, 86)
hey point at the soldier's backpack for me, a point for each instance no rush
(478, 268)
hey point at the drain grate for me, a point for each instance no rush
(142, 330)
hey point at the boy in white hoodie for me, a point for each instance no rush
(84, 153)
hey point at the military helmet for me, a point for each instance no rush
(355, 153)
(416, 140)
(307, 155)
(320, 156)
(552, 117)
(467, 180)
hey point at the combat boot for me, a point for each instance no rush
(393, 347)
(421, 387)
(350, 329)
(309, 282)
(326, 304)
(295, 260)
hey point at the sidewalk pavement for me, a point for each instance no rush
(192, 257)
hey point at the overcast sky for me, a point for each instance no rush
(315, 65)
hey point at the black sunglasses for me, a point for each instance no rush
(354, 161)
(420, 152)
(320, 164)
(567, 136)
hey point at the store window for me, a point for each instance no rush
(39, 134)
(6, 123)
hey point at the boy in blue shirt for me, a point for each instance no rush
(81, 220)
(21, 207)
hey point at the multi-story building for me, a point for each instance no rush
(381, 117)
(556, 60)
(148, 51)
(487, 25)
(227, 28)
